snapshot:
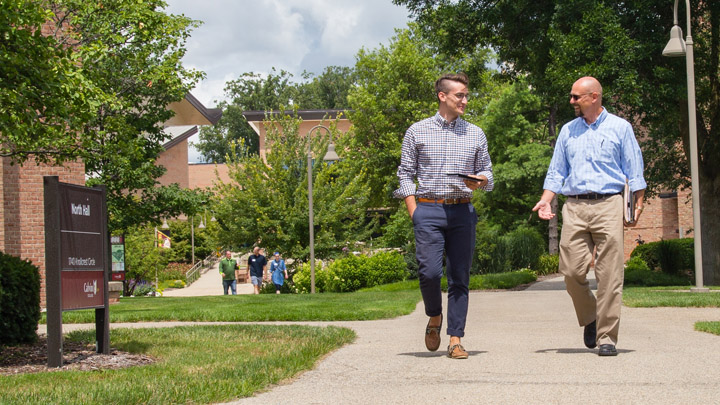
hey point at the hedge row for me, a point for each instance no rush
(19, 300)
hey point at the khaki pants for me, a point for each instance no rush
(590, 224)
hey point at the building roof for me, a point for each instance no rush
(190, 111)
(185, 135)
(254, 116)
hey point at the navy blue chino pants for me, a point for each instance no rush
(448, 229)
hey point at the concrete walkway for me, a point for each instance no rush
(209, 283)
(525, 348)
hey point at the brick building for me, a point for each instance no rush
(22, 221)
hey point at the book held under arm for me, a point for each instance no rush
(628, 205)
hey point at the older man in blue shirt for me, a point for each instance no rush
(594, 156)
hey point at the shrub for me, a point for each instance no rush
(352, 273)
(19, 300)
(526, 245)
(174, 271)
(548, 264)
(143, 289)
(671, 256)
(347, 274)
(301, 278)
(385, 267)
(638, 273)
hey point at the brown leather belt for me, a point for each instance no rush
(444, 200)
(592, 196)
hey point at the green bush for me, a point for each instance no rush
(638, 273)
(671, 256)
(19, 300)
(352, 273)
(301, 278)
(515, 250)
(386, 267)
(174, 271)
(526, 246)
(548, 264)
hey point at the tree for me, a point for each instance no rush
(131, 52)
(266, 202)
(43, 99)
(252, 92)
(517, 141)
(395, 89)
(618, 42)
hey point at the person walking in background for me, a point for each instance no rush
(227, 267)
(278, 272)
(256, 266)
(594, 156)
(435, 152)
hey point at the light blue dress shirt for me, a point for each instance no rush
(595, 158)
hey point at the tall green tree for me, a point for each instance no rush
(266, 202)
(395, 88)
(620, 43)
(131, 51)
(43, 98)
(517, 141)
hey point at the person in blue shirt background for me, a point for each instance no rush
(595, 154)
(278, 272)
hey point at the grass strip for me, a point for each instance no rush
(679, 296)
(198, 364)
(257, 308)
(382, 302)
(709, 327)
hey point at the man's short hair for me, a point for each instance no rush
(441, 83)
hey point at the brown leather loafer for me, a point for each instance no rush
(457, 352)
(432, 336)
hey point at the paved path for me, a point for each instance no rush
(525, 347)
(209, 283)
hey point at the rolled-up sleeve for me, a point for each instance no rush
(483, 165)
(407, 171)
(632, 161)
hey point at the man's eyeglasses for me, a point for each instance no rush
(461, 96)
(576, 97)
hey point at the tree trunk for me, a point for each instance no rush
(710, 219)
(553, 243)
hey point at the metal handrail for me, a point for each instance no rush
(194, 273)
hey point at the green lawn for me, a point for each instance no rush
(198, 364)
(648, 297)
(710, 327)
(382, 302)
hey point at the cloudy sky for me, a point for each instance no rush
(240, 36)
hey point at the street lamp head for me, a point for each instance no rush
(202, 224)
(331, 156)
(675, 46)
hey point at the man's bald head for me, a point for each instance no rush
(589, 84)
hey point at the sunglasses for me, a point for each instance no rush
(576, 97)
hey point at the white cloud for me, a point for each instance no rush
(240, 36)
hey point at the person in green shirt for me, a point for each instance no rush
(227, 267)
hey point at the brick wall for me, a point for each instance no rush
(664, 217)
(202, 175)
(175, 160)
(23, 218)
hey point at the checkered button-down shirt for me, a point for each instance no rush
(432, 148)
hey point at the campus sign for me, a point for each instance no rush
(76, 260)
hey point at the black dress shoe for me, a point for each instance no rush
(607, 350)
(590, 335)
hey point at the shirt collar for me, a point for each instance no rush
(443, 123)
(598, 121)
